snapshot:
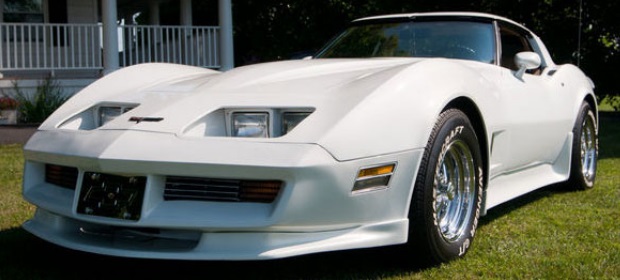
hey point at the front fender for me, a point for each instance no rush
(400, 114)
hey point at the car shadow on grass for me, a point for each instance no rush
(518, 203)
(24, 256)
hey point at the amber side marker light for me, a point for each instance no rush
(259, 191)
(373, 178)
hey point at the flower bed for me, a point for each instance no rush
(8, 110)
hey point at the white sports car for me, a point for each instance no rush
(404, 129)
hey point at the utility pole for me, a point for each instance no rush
(579, 34)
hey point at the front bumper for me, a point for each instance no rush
(315, 210)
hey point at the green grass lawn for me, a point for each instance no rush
(548, 234)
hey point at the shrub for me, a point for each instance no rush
(613, 101)
(35, 108)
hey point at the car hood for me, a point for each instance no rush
(329, 87)
(359, 100)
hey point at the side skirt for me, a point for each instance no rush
(510, 185)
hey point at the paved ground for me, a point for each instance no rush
(15, 134)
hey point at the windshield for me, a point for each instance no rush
(449, 39)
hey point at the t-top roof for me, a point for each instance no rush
(444, 14)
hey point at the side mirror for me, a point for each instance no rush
(526, 61)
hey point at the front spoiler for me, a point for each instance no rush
(186, 245)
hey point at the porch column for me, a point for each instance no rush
(154, 12)
(1, 36)
(186, 12)
(227, 51)
(110, 36)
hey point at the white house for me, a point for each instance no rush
(78, 41)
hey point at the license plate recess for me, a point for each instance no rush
(111, 196)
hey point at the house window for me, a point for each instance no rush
(30, 11)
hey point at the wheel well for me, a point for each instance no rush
(470, 109)
(592, 102)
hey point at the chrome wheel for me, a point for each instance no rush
(455, 189)
(447, 195)
(588, 148)
(585, 150)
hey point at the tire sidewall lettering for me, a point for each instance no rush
(480, 183)
(463, 248)
(478, 202)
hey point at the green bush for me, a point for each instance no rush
(35, 108)
(612, 101)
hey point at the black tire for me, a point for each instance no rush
(444, 212)
(585, 150)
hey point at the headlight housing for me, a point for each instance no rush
(96, 116)
(251, 122)
(260, 122)
(107, 114)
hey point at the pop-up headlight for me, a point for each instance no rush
(265, 122)
(96, 116)
(258, 122)
(250, 124)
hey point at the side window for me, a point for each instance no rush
(512, 43)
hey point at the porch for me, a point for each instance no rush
(97, 37)
(58, 48)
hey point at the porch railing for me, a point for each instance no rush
(190, 45)
(27, 46)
